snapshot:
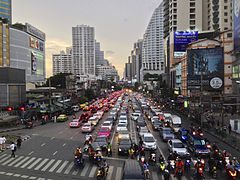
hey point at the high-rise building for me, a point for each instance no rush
(83, 43)
(99, 55)
(6, 11)
(153, 45)
(62, 62)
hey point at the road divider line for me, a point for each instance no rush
(8, 161)
(15, 161)
(27, 163)
(22, 161)
(4, 159)
(119, 173)
(60, 132)
(83, 173)
(64, 144)
(110, 171)
(71, 137)
(43, 144)
(55, 153)
(55, 165)
(34, 163)
(30, 153)
(2, 156)
(69, 168)
(41, 164)
(92, 172)
(62, 167)
(48, 164)
(52, 138)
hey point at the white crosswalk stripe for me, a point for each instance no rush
(92, 172)
(110, 172)
(5, 158)
(69, 168)
(84, 172)
(48, 165)
(27, 163)
(62, 167)
(22, 161)
(15, 161)
(34, 163)
(3, 155)
(9, 160)
(119, 173)
(41, 164)
(55, 165)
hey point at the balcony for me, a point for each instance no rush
(215, 2)
(215, 13)
(215, 7)
(215, 20)
(216, 26)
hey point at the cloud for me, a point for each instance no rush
(53, 46)
(110, 52)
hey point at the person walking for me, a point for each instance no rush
(13, 149)
(1, 143)
(4, 142)
(229, 128)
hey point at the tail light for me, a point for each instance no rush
(201, 134)
(233, 174)
(69, 124)
(208, 146)
(194, 133)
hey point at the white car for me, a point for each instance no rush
(123, 134)
(175, 145)
(155, 118)
(149, 142)
(107, 124)
(121, 126)
(143, 130)
(135, 116)
(93, 120)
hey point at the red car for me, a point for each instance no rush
(105, 132)
(85, 116)
(161, 116)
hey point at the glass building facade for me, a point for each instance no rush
(6, 10)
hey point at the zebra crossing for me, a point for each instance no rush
(67, 168)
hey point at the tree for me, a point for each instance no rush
(58, 81)
(89, 93)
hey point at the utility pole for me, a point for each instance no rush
(50, 97)
(201, 90)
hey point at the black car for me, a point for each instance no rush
(156, 125)
(149, 115)
(140, 124)
(124, 146)
(100, 141)
(140, 118)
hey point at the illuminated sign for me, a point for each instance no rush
(35, 32)
(181, 39)
(36, 44)
(37, 63)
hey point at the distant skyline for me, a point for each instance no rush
(118, 24)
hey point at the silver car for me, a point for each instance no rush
(175, 145)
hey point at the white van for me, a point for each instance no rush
(176, 123)
(75, 108)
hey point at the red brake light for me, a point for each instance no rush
(69, 124)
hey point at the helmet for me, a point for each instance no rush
(104, 160)
(166, 171)
(234, 158)
(224, 151)
(198, 160)
(170, 154)
(178, 158)
(98, 149)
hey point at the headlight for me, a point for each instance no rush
(120, 149)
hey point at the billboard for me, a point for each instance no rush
(181, 39)
(36, 44)
(236, 24)
(5, 9)
(37, 63)
(35, 32)
(208, 63)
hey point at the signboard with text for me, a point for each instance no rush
(236, 24)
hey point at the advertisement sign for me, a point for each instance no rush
(36, 44)
(35, 32)
(181, 39)
(37, 63)
(5, 9)
(236, 24)
(208, 63)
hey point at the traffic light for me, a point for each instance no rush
(10, 109)
(22, 108)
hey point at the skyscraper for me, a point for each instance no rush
(83, 43)
(6, 11)
(153, 46)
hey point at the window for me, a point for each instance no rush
(192, 4)
(225, 7)
(225, 20)
(225, 14)
(192, 10)
(192, 16)
(229, 35)
(225, 1)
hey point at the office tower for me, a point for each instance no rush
(6, 11)
(83, 43)
(62, 62)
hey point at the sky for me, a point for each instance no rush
(118, 24)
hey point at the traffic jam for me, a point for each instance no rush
(154, 144)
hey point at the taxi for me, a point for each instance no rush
(62, 118)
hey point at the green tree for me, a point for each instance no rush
(89, 93)
(58, 81)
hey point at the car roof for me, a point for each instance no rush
(176, 141)
(148, 135)
(104, 128)
(197, 137)
(132, 170)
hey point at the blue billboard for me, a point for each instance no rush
(181, 39)
(208, 63)
(5, 9)
(236, 24)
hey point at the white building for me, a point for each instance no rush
(83, 43)
(153, 46)
(107, 73)
(62, 62)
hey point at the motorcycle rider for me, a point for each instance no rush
(166, 175)
(142, 152)
(131, 151)
(197, 165)
(211, 164)
(109, 145)
(179, 164)
(145, 166)
(230, 166)
(161, 158)
(171, 157)
(235, 161)
(151, 154)
(224, 154)
(175, 155)
(19, 142)
(88, 138)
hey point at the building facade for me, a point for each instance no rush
(62, 62)
(23, 49)
(83, 43)
(6, 11)
(153, 44)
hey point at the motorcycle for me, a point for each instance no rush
(153, 158)
(171, 165)
(29, 125)
(237, 167)
(142, 159)
(162, 167)
(232, 173)
(79, 162)
(199, 174)
(98, 160)
(109, 152)
(100, 174)
(147, 173)
(214, 172)
(179, 173)
(187, 165)
(226, 161)
(220, 164)
(203, 164)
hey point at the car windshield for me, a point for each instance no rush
(106, 124)
(123, 132)
(123, 118)
(103, 130)
(184, 133)
(86, 125)
(177, 125)
(75, 120)
(167, 131)
(121, 125)
(100, 139)
(125, 142)
(149, 139)
(178, 145)
(199, 142)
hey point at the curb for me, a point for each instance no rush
(19, 128)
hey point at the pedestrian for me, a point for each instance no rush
(1, 143)
(229, 128)
(13, 149)
(4, 142)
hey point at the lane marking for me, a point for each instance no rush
(62, 167)
(154, 176)
(32, 177)
(110, 171)
(55, 153)
(34, 163)
(1, 172)
(24, 176)
(64, 144)
(69, 168)
(75, 171)
(48, 164)
(2, 156)
(43, 144)
(15, 161)
(119, 173)
(27, 163)
(71, 137)
(55, 165)
(30, 153)
(41, 164)
(92, 172)
(4, 159)
(9, 160)
(83, 173)
(60, 132)
(22, 161)
(17, 175)
(52, 138)
(9, 174)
